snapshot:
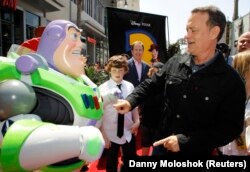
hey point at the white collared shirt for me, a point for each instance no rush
(110, 116)
(138, 66)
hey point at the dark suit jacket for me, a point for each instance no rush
(132, 75)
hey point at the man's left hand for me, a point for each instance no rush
(170, 143)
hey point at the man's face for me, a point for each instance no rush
(67, 57)
(243, 43)
(200, 37)
(137, 52)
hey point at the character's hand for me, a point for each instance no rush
(92, 143)
(170, 143)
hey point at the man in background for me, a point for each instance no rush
(243, 42)
(137, 68)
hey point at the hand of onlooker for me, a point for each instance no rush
(107, 141)
(122, 106)
(134, 128)
(170, 143)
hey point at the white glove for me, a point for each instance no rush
(92, 143)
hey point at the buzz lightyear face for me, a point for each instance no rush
(67, 57)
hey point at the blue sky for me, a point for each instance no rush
(178, 12)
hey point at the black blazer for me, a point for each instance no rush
(132, 75)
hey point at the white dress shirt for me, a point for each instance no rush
(110, 116)
(138, 66)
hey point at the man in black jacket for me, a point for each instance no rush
(204, 97)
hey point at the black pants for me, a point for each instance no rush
(128, 149)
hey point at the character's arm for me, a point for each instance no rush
(5, 124)
(33, 149)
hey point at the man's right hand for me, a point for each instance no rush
(122, 106)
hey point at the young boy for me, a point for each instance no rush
(117, 67)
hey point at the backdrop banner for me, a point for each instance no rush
(125, 26)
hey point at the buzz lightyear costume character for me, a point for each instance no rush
(48, 107)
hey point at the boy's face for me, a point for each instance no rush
(117, 74)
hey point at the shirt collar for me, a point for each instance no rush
(188, 60)
(135, 61)
(217, 60)
(114, 83)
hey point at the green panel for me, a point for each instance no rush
(70, 91)
(8, 71)
(13, 141)
(66, 87)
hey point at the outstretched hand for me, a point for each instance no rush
(122, 106)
